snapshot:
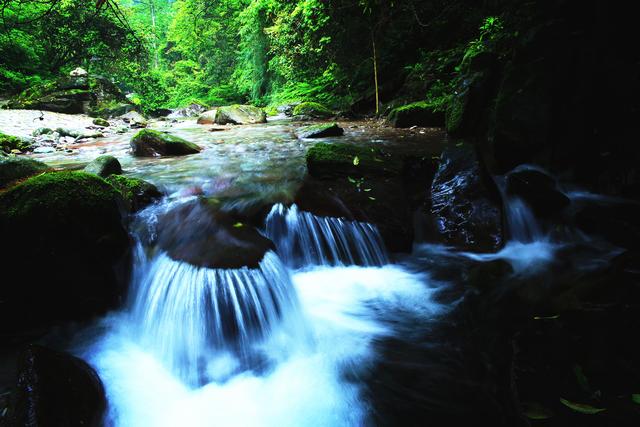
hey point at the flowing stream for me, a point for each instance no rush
(293, 342)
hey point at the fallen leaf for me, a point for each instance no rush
(582, 407)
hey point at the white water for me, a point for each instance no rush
(299, 338)
(302, 238)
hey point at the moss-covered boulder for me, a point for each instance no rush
(104, 166)
(320, 131)
(100, 122)
(341, 159)
(16, 168)
(416, 114)
(312, 110)
(8, 143)
(152, 143)
(233, 115)
(94, 95)
(62, 235)
(136, 193)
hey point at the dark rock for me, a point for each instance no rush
(15, 168)
(136, 193)
(312, 110)
(56, 389)
(69, 224)
(151, 143)
(201, 235)
(464, 207)
(416, 114)
(104, 166)
(538, 189)
(320, 131)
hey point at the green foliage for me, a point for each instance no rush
(8, 143)
(490, 31)
(581, 407)
(312, 109)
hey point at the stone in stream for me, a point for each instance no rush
(151, 143)
(134, 119)
(538, 189)
(55, 389)
(9, 142)
(465, 209)
(100, 122)
(68, 225)
(191, 110)
(104, 166)
(416, 114)
(42, 131)
(136, 193)
(233, 114)
(312, 110)
(16, 168)
(342, 159)
(201, 235)
(320, 131)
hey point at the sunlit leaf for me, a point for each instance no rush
(351, 180)
(371, 198)
(238, 225)
(356, 161)
(546, 317)
(582, 407)
(367, 189)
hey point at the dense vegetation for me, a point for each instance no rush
(174, 52)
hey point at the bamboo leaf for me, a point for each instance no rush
(356, 161)
(582, 407)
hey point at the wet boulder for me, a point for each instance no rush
(55, 389)
(201, 235)
(312, 110)
(416, 114)
(100, 122)
(348, 159)
(62, 235)
(233, 115)
(152, 143)
(464, 208)
(208, 117)
(136, 193)
(134, 119)
(8, 143)
(103, 166)
(538, 189)
(287, 109)
(16, 168)
(192, 110)
(320, 131)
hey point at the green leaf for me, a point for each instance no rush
(635, 398)
(367, 189)
(546, 317)
(356, 161)
(535, 411)
(238, 225)
(351, 180)
(371, 198)
(582, 407)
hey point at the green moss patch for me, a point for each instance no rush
(313, 110)
(150, 143)
(331, 160)
(16, 168)
(417, 114)
(8, 143)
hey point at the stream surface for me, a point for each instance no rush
(308, 339)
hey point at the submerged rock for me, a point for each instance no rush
(538, 189)
(15, 168)
(136, 193)
(416, 114)
(68, 224)
(320, 131)
(464, 208)
(312, 110)
(104, 166)
(55, 389)
(348, 159)
(200, 235)
(151, 143)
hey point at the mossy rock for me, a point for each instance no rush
(63, 233)
(100, 122)
(136, 193)
(109, 109)
(239, 115)
(334, 160)
(16, 168)
(104, 166)
(320, 131)
(151, 143)
(416, 114)
(312, 110)
(8, 143)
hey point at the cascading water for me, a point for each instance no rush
(187, 313)
(302, 239)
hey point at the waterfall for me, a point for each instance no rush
(188, 314)
(303, 239)
(521, 222)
